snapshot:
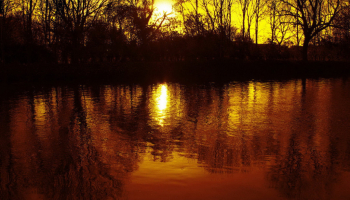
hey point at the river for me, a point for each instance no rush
(239, 140)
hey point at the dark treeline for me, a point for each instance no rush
(92, 31)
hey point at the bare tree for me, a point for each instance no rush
(342, 23)
(145, 23)
(74, 16)
(248, 13)
(219, 16)
(116, 14)
(46, 17)
(273, 11)
(27, 9)
(192, 14)
(244, 7)
(260, 12)
(313, 16)
(280, 25)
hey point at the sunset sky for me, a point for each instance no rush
(264, 32)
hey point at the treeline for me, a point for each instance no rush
(89, 31)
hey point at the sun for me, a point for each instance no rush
(164, 7)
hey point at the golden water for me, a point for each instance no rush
(242, 140)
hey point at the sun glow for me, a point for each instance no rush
(164, 8)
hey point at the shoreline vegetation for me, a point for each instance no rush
(92, 31)
(171, 71)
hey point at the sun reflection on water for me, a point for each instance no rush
(166, 106)
(162, 101)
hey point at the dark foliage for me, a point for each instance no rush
(118, 31)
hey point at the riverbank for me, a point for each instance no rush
(194, 71)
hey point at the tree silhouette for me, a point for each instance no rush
(280, 25)
(74, 16)
(312, 15)
(46, 19)
(141, 13)
(245, 6)
(260, 12)
(76, 31)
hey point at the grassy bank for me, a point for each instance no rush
(194, 71)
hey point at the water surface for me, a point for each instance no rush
(241, 140)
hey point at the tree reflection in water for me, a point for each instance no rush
(85, 142)
(71, 154)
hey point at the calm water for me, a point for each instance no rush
(242, 140)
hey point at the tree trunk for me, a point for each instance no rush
(257, 22)
(273, 23)
(75, 47)
(2, 22)
(305, 48)
(197, 19)
(243, 21)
